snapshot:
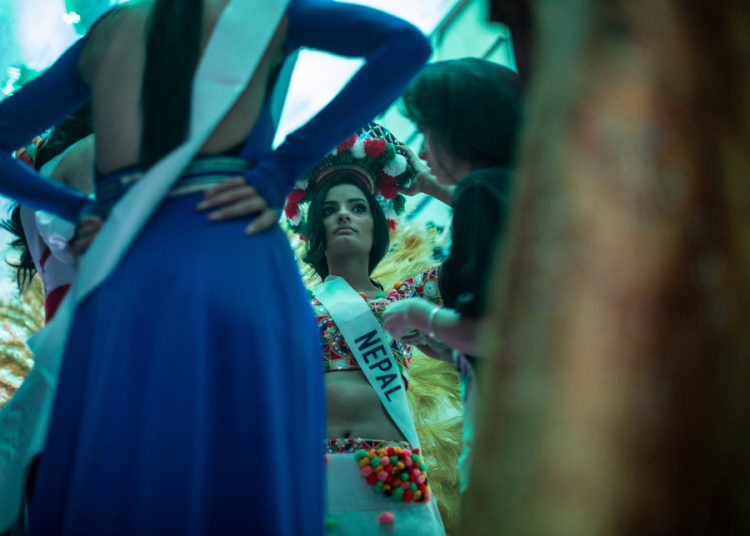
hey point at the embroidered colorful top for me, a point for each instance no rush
(336, 353)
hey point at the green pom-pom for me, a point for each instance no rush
(378, 486)
(393, 459)
(329, 523)
(416, 458)
(374, 462)
(404, 477)
(399, 203)
(398, 493)
(413, 487)
(389, 154)
(360, 454)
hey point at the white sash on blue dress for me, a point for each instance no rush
(237, 45)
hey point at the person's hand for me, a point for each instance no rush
(235, 198)
(403, 318)
(86, 232)
(397, 320)
(424, 182)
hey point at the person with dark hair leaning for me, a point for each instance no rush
(182, 406)
(40, 239)
(469, 112)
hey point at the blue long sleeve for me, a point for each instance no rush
(39, 105)
(393, 50)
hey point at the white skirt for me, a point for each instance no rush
(355, 508)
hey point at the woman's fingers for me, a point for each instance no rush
(239, 209)
(86, 232)
(229, 184)
(266, 219)
(227, 193)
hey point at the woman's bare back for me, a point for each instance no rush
(112, 65)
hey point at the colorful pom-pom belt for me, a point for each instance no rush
(397, 472)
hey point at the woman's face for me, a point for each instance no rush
(347, 221)
(447, 170)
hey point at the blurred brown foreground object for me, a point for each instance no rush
(617, 399)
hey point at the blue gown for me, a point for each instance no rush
(190, 399)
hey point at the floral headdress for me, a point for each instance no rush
(374, 155)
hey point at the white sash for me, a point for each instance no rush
(371, 347)
(237, 45)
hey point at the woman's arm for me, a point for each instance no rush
(443, 323)
(37, 106)
(393, 50)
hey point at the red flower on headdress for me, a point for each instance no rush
(347, 144)
(291, 210)
(392, 225)
(375, 147)
(388, 187)
(296, 196)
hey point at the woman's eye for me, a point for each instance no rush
(327, 211)
(359, 208)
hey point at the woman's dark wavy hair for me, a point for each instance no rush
(172, 51)
(315, 233)
(73, 128)
(471, 106)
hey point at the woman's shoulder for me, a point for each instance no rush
(116, 26)
(494, 182)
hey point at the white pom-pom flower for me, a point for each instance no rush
(396, 167)
(358, 149)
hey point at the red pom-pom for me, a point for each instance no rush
(386, 518)
(296, 196)
(388, 189)
(291, 210)
(392, 225)
(408, 496)
(422, 488)
(372, 478)
(374, 148)
(391, 451)
(347, 144)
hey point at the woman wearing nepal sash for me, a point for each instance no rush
(182, 406)
(343, 209)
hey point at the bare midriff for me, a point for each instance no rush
(354, 409)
